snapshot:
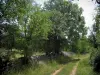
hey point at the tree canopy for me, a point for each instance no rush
(67, 19)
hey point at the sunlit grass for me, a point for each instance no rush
(67, 69)
(84, 68)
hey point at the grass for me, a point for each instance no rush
(84, 68)
(67, 69)
(49, 67)
(44, 69)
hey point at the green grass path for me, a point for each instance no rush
(72, 67)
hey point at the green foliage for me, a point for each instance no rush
(22, 26)
(83, 45)
(67, 21)
(10, 11)
(26, 27)
(95, 40)
(28, 24)
(33, 29)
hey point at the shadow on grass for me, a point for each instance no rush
(60, 59)
(65, 60)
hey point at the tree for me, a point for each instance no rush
(95, 40)
(83, 45)
(10, 12)
(23, 26)
(35, 30)
(67, 22)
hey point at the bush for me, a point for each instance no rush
(96, 64)
(95, 60)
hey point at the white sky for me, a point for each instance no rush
(88, 7)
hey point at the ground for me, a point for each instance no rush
(74, 66)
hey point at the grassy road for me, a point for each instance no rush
(55, 67)
(81, 67)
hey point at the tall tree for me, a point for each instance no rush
(35, 30)
(10, 12)
(23, 25)
(67, 21)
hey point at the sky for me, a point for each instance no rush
(88, 10)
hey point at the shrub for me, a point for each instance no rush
(95, 60)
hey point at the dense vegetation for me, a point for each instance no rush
(27, 28)
(95, 40)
